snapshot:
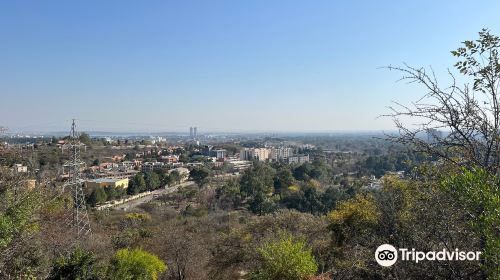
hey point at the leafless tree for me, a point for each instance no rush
(458, 123)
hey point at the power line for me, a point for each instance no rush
(80, 219)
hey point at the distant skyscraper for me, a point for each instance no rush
(191, 134)
(195, 132)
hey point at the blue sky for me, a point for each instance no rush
(221, 65)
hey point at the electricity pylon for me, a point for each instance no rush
(80, 219)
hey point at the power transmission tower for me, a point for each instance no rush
(80, 219)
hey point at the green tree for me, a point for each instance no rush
(302, 172)
(353, 217)
(331, 196)
(229, 194)
(130, 156)
(258, 179)
(307, 199)
(175, 177)
(168, 180)
(200, 175)
(97, 196)
(261, 204)
(135, 264)
(285, 259)
(469, 112)
(319, 170)
(283, 180)
(478, 194)
(257, 186)
(79, 265)
(161, 175)
(416, 212)
(137, 184)
(132, 189)
(19, 207)
(114, 192)
(152, 181)
(16, 214)
(85, 139)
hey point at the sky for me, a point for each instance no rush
(260, 65)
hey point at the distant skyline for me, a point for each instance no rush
(223, 65)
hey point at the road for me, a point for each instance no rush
(141, 200)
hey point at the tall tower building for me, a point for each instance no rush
(195, 132)
(191, 134)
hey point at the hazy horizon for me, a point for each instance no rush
(201, 131)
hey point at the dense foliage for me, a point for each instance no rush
(135, 264)
(285, 259)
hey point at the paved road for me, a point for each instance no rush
(141, 200)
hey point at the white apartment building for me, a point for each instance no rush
(281, 153)
(298, 159)
(261, 154)
(246, 154)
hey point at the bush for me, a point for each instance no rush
(135, 264)
(285, 259)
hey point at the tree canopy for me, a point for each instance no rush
(285, 259)
(78, 265)
(135, 264)
(200, 175)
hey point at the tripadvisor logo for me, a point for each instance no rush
(387, 255)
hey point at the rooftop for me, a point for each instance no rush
(104, 180)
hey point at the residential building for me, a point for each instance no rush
(261, 154)
(281, 153)
(246, 154)
(158, 140)
(207, 150)
(298, 159)
(115, 174)
(127, 165)
(108, 165)
(151, 166)
(169, 159)
(107, 182)
(219, 153)
(240, 164)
